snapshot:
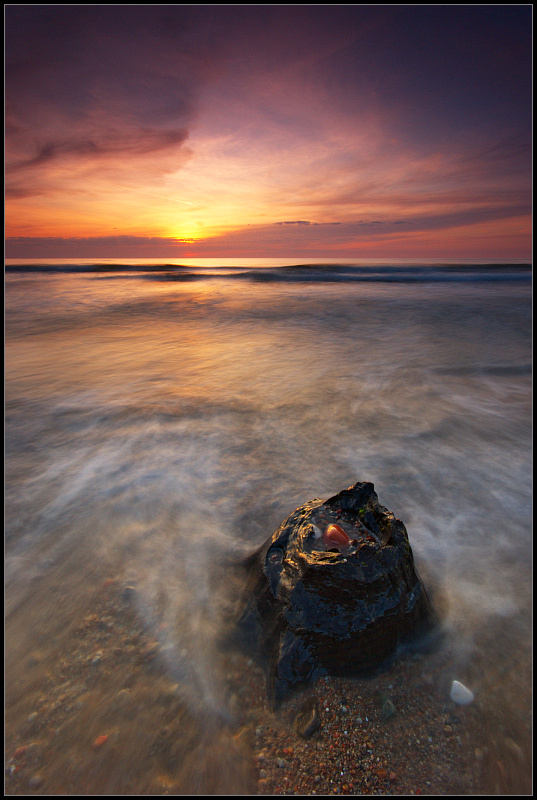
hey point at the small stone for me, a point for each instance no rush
(515, 749)
(150, 650)
(123, 696)
(262, 773)
(35, 782)
(32, 717)
(280, 763)
(307, 720)
(34, 753)
(460, 694)
(388, 711)
(99, 741)
(129, 593)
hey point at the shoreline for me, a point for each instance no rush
(103, 696)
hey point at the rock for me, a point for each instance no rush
(129, 592)
(387, 711)
(515, 750)
(316, 605)
(460, 694)
(307, 720)
(387, 708)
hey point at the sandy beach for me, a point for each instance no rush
(95, 710)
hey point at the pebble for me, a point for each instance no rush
(388, 711)
(35, 782)
(307, 720)
(99, 741)
(516, 750)
(460, 694)
(129, 593)
(123, 696)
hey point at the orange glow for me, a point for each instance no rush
(247, 153)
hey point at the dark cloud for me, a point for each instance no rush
(93, 81)
(294, 222)
(142, 142)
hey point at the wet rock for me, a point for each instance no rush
(129, 593)
(338, 604)
(387, 708)
(307, 720)
(460, 694)
(387, 711)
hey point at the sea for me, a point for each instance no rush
(163, 417)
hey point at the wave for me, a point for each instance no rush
(293, 273)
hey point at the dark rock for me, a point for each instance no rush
(387, 708)
(307, 720)
(311, 608)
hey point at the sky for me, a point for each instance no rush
(251, 131)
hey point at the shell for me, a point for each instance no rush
(335, 536)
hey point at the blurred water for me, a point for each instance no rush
(157, 426)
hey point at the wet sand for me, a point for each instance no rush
(93, 709)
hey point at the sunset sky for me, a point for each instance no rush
(251, 131)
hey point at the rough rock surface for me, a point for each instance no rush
(333, 591)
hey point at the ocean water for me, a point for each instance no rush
(161, 419)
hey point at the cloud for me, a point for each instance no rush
(282, 239)
(142, 142)
(87, 83)
(337, 122)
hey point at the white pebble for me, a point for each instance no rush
(460, 694)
